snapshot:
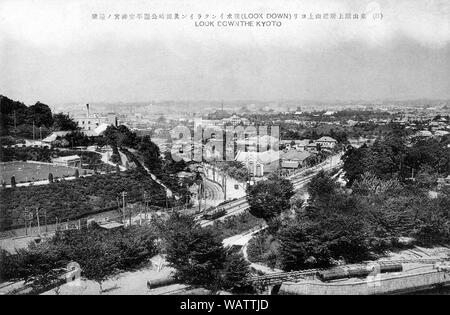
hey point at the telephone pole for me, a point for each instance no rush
(28, 216)
(124, 193)
(37, 217)
(45, 219)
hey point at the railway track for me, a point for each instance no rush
(238, 205)
(297, 183)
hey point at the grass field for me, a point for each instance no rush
(31, 172)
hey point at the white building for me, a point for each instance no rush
(70, 161)
(326, 142)
(236, 120)
(259, 163)
(92, 121)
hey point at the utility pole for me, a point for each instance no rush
(34, 137)
(45, 219)
(40, 132)
(37, 217)
(124, 193)
(27, 218)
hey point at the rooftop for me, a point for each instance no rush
(67, 158)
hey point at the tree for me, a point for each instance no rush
(99, 253)
(235, 271)
(300, 248)
(150, 153)
(356, 163)
(322, 185)
(63, 122)
(196, 253)
(297, 202)
(40, 114)
(269, 198)
(371, 185)
(100, 263)
(120, 136)
(36, 265)
(161, 120)
(328, 229)
(385, 159)
(50, 177)
(13, 181)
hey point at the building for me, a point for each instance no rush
(299, 145)
(236, 120)
(293, 159)
(92, 121)
(98, 131)
(54, 135)
(312, 147)
(95, 132)
(259, 163)
(257, 143)
(326, 142)
(70, 161)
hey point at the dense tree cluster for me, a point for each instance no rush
(353, 225)
(75, 198)
(269, 198)
(63, 122)
(99, 253)
(41, 154)
(391, 157)
(17, 114)
(120, 136)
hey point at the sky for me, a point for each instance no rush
(55, 52)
